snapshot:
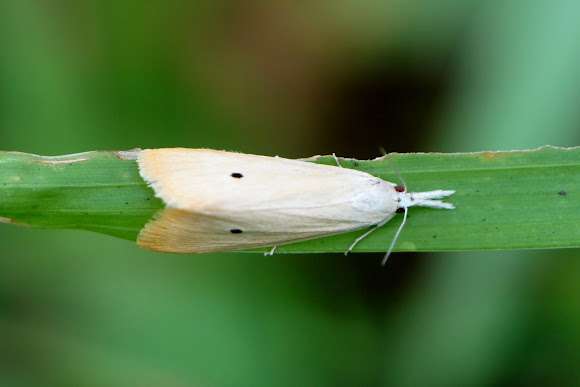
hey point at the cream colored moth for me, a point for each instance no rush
(222, 201)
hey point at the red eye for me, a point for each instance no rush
(400, 188)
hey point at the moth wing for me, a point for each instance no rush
(219, 201)
(181, 231)
(208, 180)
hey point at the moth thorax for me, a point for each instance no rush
(378, 198)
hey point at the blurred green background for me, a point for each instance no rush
(292, 79)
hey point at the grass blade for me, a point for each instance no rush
(526, 199)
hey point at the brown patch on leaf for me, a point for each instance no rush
(489, 155)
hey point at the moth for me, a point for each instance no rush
(222, 201)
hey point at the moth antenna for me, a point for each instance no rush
(336, 160)
(383, 151)
(398, 172)
(396, 237)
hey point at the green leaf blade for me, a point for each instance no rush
(504, 200)
(97, 191)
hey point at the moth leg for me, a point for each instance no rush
(360, 238)
(336, 160)
(271, 252)
(396, 237)
(366, 234)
